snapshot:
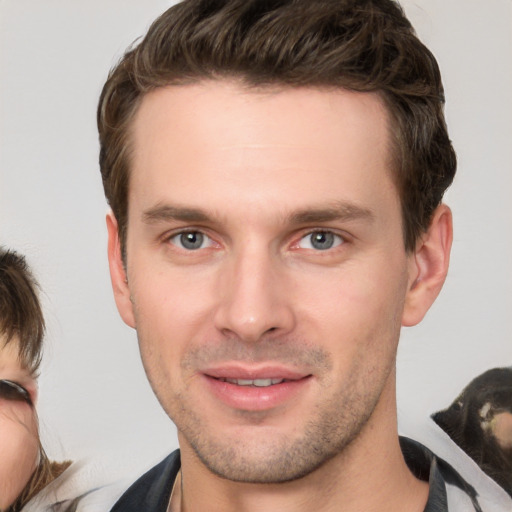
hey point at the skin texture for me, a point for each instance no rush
(19, 446)
(255, 176)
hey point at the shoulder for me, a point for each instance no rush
(84, 486)
(151, 492)
(453, 487)
(441, 477)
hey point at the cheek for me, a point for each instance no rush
(172, 314)
(172, 307)
(356, 313)
(19, 449)
(356, 298)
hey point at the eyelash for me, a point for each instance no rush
(15, 392)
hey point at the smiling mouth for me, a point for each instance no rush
(256, 390)
(257, 383)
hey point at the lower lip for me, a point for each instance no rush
(253, 398)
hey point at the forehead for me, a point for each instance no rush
(218, 132)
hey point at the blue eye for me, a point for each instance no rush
(191, 240)
(320, 240)
(12, 391)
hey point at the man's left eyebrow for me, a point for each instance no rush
(339, 212)
(168, 213)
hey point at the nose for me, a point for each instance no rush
(254, 299)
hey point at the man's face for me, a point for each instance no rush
(19, 444)
(266, 271)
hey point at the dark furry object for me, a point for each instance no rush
(480, 422)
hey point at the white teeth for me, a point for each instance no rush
(263, 383)
(244, 382)
(260, 383)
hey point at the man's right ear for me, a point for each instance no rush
(118, 277)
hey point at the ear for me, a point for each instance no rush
(428, 266)
(118, 273)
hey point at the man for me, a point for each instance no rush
(275, 171)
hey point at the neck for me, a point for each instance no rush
(370, 474)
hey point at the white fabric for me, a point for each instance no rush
(83, 487)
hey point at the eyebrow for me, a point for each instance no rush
(164, 213)
(340, 211)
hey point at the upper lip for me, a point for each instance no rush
(253, 372)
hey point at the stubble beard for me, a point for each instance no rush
(279, 458)
(283, 456)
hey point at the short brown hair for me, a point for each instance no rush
(21, 315)
(360, 45)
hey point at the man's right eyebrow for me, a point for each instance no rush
(166, 213)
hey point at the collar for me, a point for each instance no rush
(426, 466)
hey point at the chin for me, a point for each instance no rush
(263, 455)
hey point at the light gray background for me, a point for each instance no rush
(95, 401)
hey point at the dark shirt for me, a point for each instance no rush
(152, 491)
